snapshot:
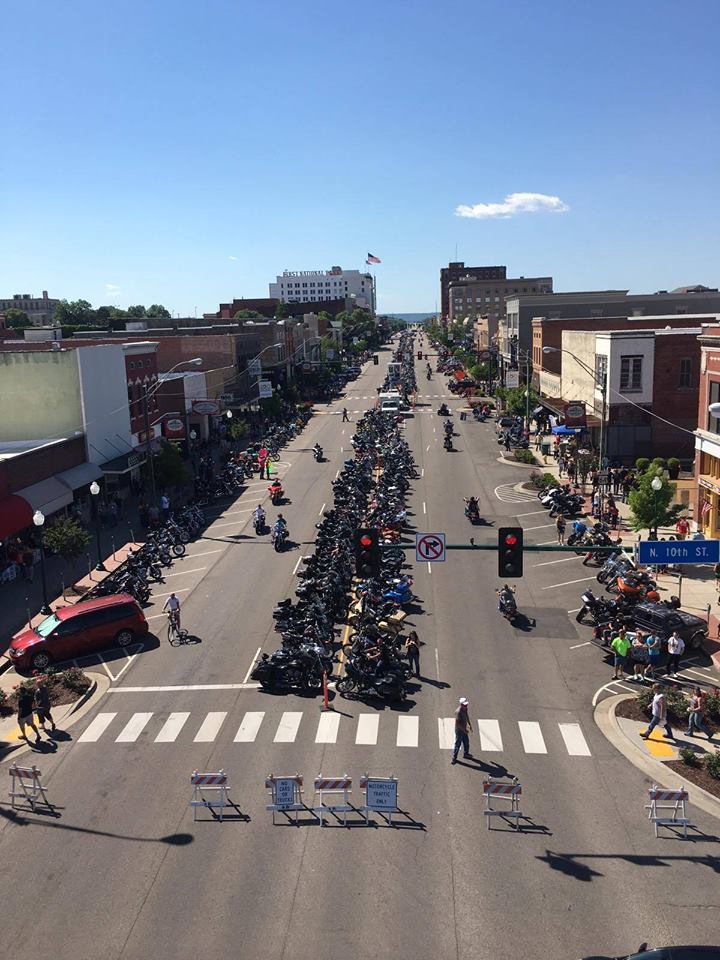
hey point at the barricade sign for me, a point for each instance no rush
(26, 784)
(661, 801)
(328, 790)
(380, 794)
(285, 794)
(214, 783)
(496, 789)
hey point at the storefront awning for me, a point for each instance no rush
(15, 515)
(80, 476)
(48, 496)
(123, 464)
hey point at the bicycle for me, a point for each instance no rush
(176, 634)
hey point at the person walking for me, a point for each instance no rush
(620, 646)
(165, 507)
(25, 712)
(695, 715)
(412, 652)
(659, 714)
(560, 526)
(42, 703)
(345, 417)
(463, 728)
(676, 648)
(652, 642)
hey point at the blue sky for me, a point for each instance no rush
(148, 143)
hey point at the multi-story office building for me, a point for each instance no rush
(40, 310)
(457, 269)
(316, 286)
(470, 297)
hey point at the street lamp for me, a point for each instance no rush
(714, 409)
(39, 520)
(95, 490)
(656, 483)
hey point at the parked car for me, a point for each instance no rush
(661, 620)
(78, 629)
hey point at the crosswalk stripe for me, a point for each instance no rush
(489, 734)
(574, 738)
(97, 728)
(327, 728)
(408, 731)
(133, 728)
(367, 729)
(288, 727)
(446, 732)
(210, 727)
(532, 737)
(248, 729)
(171, 728)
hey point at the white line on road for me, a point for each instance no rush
(320, 512)
(422, 472)
(546, 563)
(367, 729)
(171, 728)
(337, 474)
(408, 729)
(567, 583)
(288, 727)
(424, 507)
(429, 567)
(575, 741)
(587, 643)
(295, 569)
(544, 543)
(210, 726)
(133, 728)
(248, 729)
(206, 553)
(327, 728)
(342, 449)
(182, 688)
(96, 729)
(606, 686)
(541, 527)
(181, 572)
(252, 664)
(437, 663)
(489, 734)
(575, 611)
(176, 590)
(531, 514)
(531, 736)
(446, 733)
(427, 448)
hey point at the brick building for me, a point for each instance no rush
(706, 496)
(456, 270)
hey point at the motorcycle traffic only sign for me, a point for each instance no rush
(430, 547)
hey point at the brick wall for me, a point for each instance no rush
(36, 465)
(674, 402)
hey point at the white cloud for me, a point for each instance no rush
(512, 204)
(232, 258)
(112, 291)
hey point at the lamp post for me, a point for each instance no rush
(95, 490)
(39, 520)
(656, 484)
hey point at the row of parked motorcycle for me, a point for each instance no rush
(370, 491)
(627, 585)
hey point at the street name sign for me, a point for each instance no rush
(430, 547)
(679, 551)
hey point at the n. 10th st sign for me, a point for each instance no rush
(679, 551)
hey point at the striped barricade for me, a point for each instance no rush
(332, 795)
(26, 784)
(496, 789)
(662, 801)
(285, 794)
(214, 783)
(381, 794)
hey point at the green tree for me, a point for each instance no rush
(248, 315)
(237, 429)
(170, 471)
(137, 312)
(516, 401)
(282, 311)
(74, 312)
(66, 537)
(650, 509)
(158, 310)
(17, 318)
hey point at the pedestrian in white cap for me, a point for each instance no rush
(462, 728)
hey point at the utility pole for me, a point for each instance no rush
(148, 444)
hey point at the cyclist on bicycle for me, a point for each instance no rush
(172, 605)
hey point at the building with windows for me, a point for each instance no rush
(318, 286)
(470, 297)
(706, 505)
(40, 310)
(457, 269)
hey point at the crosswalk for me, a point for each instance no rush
(405, 731)
(506, 493)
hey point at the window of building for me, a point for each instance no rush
(686, 372)
(631, 374)
(600, 366)
(713, 423)
(132, 364)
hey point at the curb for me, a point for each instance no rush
(514, 463)
(73, 712)
(604, 717)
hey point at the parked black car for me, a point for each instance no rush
(661, 620)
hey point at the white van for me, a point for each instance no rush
(390, 406)
(390, 395)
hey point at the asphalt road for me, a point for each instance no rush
(124, 872)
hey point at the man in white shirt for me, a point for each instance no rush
(172, 604)
(165, 507)
(659, 713)
(676, 648)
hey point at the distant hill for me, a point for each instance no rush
(411, 317)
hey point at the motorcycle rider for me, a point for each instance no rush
(447, 443)
(275, 487)
(318, 451)
(259, 517)
(472, 507)
(506, 594)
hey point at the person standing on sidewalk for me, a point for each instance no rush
(25, 712)
(463, 728)
(263, 460)
(42, 704)
(695, 714)
(676, 648)
(659, 714)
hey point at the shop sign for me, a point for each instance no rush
(512, 379)
(174, 428)
(575, 415)
(708, 485)
(265, 389)
(210, 408)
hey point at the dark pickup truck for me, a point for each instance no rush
(661, 620)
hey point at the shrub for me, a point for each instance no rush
(711, 762)
(540, 480)
(658, 462)
(74, 679)
(677, 705)
(3, 700)
(525, 456)
(641, 464)
(673, 462)
(645, 698)
(711, 706)
(688, 756)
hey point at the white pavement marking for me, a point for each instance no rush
(337, 474)
(408, 729)
(248, 729)
(320, 511)
(575, 741)
(295, 568)
(544, 543)
(531, 514)
(567, 583)
(575, 611)
(367, 729)
(542, 526)
(422, 472)
(327, 728)
(427, 448)
(446, 733)
(229, 523)
(532, 737)
(288, 727)
(171, 728)
(176, 590)
(615, 683)
(206, 553)
(429, 567)
(489, 733)
(181, 573)
(133, 728)
(424, 507)
(588, 643)
(210, 727)
(128, 658)
(547, 563)
(96, 729)
(252, 664)
(182, 688)
(437, 663)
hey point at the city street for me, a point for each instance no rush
(124, 873)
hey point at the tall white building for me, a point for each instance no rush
(311, 286)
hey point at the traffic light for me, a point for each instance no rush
(510, 552)
(366, 542)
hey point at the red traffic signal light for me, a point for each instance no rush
(510, 539)
(366, 543)
(510, 552)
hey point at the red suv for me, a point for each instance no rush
(79, 629)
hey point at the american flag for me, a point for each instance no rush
(372, 259)
(706, 508)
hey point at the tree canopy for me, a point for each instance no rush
(650, 509)
(17, 318)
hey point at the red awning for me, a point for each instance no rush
(15, 515)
